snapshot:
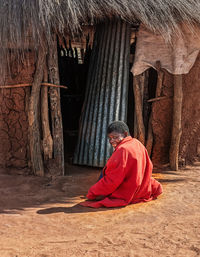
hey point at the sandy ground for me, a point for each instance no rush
(40, 217)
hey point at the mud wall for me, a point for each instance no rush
(13, 114)
(162, 123)
(14, 123)
(162, 119)
(191, 115)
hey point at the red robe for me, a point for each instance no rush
(126, 177)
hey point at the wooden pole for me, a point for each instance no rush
(142, 81)
(30, 84)
(33, 117)
(138, 109)
(56, 117)
(159, 79)
(176, 129)
(149, 143)
(146, 104)
(47, 141)
(27, 101)
(158, 99)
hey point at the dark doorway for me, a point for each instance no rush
(73, 65)
(131, 102)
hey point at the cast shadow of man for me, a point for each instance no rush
(73, 209)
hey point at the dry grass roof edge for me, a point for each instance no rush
(19, 18)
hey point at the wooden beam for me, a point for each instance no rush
(47, 141)
(158, 98)
(159, 79)
(160, 72)
(33, 117)
(177, 128)
(56, 116)
(138, 109)
(30, 84)
(27, 102)
(146, 105)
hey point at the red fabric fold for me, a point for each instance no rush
(127, 178)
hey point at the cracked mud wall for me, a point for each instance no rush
(14, 123)
(13, 114)
(162, 123)
(190, 139)
(162, 119)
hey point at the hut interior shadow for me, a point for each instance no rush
(73, 61)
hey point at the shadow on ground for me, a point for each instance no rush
(74, 209)
(19, 192)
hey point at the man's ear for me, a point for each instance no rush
(126, 133)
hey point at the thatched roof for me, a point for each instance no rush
(17, 17)
(25, 22)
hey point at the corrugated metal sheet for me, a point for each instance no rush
(107, 92)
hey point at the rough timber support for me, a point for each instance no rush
(176, 129)
(47, 141)
(139, 108)
(56, 117)
(33, 117)
(149, 143)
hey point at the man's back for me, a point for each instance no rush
(127, 177)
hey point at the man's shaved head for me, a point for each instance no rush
(119, 127)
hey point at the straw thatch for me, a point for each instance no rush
(29, 23)
(17, 17)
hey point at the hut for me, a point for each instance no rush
(140, 63)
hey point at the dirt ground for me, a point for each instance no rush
(40, 217)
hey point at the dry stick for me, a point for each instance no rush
(33, 118)
(135, 127)
(56, 116)
(146, 105)
(158, 99)
(141, 79)
(27, 100)
(47, 142)
(176, 129)
(149, 142)
(159, 79)
(138, 109)
(29, 85)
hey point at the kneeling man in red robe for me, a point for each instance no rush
(127, 176)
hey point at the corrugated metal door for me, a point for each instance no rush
(106, 95)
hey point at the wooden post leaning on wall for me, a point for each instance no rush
(33, 117)
(56, 116)
(176, 129)
(47, 141)
(138, 108)
(160, 72)
(142, 81)
(146, 104)
(27, 103)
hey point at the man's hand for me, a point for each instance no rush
(99, 197)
